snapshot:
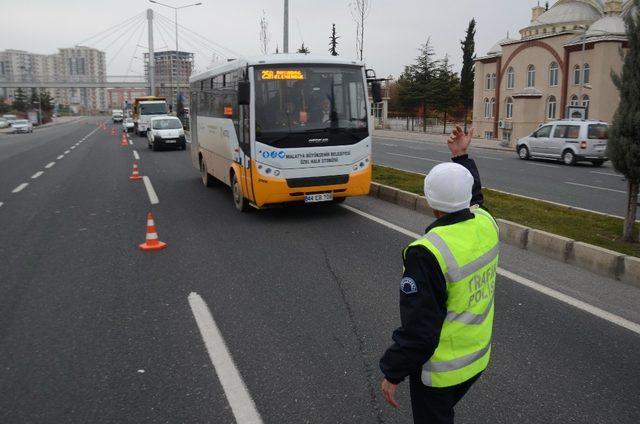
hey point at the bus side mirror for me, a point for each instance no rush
(244, 92)
(376, 91)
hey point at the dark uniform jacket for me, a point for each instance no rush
(423, 309)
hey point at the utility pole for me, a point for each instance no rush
(285, 42)
(151, 65)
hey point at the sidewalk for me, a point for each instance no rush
(57, 121)
(480, 143)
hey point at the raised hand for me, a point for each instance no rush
(459, 141)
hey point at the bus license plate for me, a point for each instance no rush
(315, 198)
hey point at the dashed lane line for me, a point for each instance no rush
(586, 307)
(607, 173)
(541, 164)
(66, 152)
(596, 187)
(73, 147)
(242, 405)
(49, 165)
(136, 156)
(1, 204)
(37, 175)
(20, 188)
(131, 142)
(60, 157)
(153, 197)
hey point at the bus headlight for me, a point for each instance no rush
(276, 173)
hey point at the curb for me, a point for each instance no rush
(474, 146)
(607, 263)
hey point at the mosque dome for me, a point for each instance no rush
(569, 11)
(609, 25)
(497, 48)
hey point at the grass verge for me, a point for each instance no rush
(582, 226)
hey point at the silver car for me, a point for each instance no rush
(568, 140)
(22, 126)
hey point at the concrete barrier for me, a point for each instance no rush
(423, 207)
(631, 271)
(388, 194)
(550, 245)
(512, 233)
(596, 259)
(374, 190)
(407, 200)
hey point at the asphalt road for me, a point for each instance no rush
(305, 299)
(600, 189)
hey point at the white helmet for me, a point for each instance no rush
(448, 187)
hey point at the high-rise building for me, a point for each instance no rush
(172, 72)
(560, 67)
(76, 64)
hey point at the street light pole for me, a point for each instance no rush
(175, 10)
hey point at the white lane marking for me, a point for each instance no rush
(20, 188)
(596, 187)
(607, 173)
(153, 197)
(242, 405)
(73, 147)
(60, 157)
(386, 144)
(541, 164)
(50, 164)
(37, 175)
(415, 157)
(136, 155)
(131, 142)
(66, 152)
(488, 157)
(1, 204)
(593, 310)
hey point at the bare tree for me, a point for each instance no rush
(265, 35)
(360, 10)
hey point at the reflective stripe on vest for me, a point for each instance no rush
(467, 253)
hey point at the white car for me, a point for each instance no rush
(127, 125)
(567, 140)
(166, 131)
(21, 126)
(3, 123)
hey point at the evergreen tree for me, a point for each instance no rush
(416, 85)
(468, 73)
(624, 136)
(20, 101)
(333, 41)
(447, 89)
(4, 107)
(304, 49)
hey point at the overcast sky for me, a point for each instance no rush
(394, 29)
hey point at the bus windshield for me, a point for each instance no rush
(153, 108)
(305, 106)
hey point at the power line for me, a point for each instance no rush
(124, 31)
(134, 52)
(188, 40)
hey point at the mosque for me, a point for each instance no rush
(560, 67)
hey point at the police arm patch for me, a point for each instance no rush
(408, 286)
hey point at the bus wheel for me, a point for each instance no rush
(238, 199)
(207, 179)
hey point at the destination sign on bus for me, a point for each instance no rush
(282, 74)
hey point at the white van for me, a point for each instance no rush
(568, 140)
(166, 131)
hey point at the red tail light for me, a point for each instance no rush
(583, 145)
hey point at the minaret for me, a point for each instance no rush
(613, 7)
(536, 12)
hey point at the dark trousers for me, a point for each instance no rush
(434, 405)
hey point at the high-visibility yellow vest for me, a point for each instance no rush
(467, 253)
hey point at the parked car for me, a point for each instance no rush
(22, 126)
(166, 131)
(127, 125)
(3, 123)
(9, 118)
(568, 140)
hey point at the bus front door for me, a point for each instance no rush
(244, 139)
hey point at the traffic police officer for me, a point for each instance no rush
(446, 294)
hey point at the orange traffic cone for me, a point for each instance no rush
(152, 243)
(135, 175)
(124, 142)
